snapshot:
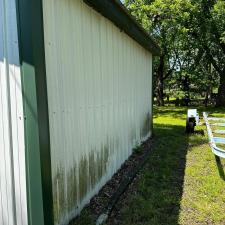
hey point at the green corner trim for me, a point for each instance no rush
(37, 138)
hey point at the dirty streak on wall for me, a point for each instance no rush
(99, 94)
(13, 207)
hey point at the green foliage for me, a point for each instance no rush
(162, 18)
(191, 35)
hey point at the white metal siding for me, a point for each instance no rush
(99, 92)
(13, 207)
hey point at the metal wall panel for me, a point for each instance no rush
(100, 101)
(13, 207)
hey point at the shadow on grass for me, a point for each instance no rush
(156, 197)
(220, 167)
(168, 162)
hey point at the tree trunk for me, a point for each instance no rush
(160, 93)
(159, 83)
(186, 89)
(206, 101)
(208, 95)
(220, 100)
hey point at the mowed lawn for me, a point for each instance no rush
(182, 183)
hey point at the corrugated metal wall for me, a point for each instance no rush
(13, 207)
(99, 93)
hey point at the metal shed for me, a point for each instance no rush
(75, 99)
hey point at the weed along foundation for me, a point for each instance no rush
(76, 98)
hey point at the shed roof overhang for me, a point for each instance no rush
(115, 11)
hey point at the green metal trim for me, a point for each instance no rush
(119, 15)
(37, 138)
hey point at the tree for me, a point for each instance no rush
(162, 19)
(191, 34)
(206, 27)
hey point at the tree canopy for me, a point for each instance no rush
(191, 34)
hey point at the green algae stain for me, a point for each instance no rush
(133, 134)
(59, 200)
(92, 169)
(83, 177)
(146, 126)
(105, 158)
(64, 192)
(92, 173)
(69, 190)
(72, 189)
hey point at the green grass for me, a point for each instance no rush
(182, 183)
